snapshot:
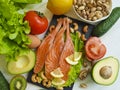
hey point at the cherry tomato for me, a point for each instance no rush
(94, 48)
(38, 23)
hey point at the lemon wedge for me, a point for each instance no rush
(57, 73)
(70, 60)
(58, 81)
(77, 56)
(74, 58)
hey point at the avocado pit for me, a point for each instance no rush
(106, 72)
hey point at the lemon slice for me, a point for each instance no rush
(77, 56)
(58, 81)
(70, 60)
(57, 73)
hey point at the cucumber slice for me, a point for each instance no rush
(18, 82)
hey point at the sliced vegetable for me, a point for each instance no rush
(105, 71)
(24, 63)
(4, 85)
(18, 82)
(37, 21)
(94, 48)
(105, 25)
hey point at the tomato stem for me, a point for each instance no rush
(40, 14)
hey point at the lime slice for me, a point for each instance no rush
(57, 73)
(58, 81)
(70, 60)
(77, 56)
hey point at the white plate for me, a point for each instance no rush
(110, 39)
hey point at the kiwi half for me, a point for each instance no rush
(18, 82)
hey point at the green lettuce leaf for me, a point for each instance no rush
(75, 69)
(13, 30)
(23, 3)
(73, 74)
(27, 1)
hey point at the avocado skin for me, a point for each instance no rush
(116, 73)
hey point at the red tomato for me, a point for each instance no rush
(37, 22)
(94, 48)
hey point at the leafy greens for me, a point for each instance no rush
(13, 29)
(27, 1)
(75, 69)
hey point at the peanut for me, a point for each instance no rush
(83, 37)
(85, 29)
(75, 26)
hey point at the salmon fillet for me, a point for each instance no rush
(44, 48)
(67, 51)
(52, 60)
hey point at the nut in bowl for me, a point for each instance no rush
(92, 11)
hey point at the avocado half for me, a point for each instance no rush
(105, 71)
(23, 63)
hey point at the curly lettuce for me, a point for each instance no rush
(27, 1)
(13, 30)
(23, 3)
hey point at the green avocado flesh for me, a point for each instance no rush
(23, 64)
(18, 83)
(106, 71)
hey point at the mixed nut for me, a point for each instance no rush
(41, 78)
(75, 28)
(92, 9)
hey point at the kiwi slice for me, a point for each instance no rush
(18, 82)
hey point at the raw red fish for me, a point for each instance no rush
(67, 51)
(52, 60)
(44, 48)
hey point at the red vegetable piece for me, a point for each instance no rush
(37, 21)
(94, 49)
